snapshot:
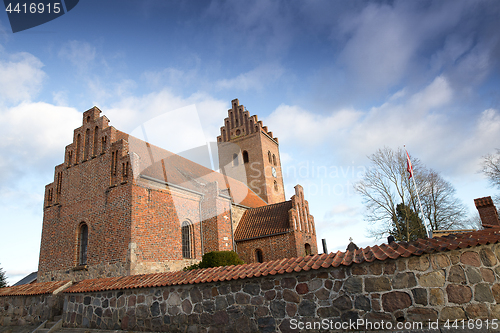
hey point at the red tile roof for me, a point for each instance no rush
(33, 289)
(367, 254)
(163, 165)
(264, 221)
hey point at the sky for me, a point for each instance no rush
(333, 80)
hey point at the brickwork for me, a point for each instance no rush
(256, 152)
(120, 206)
(487, 211)
(103, 208)
(299, 238)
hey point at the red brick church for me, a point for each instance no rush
(121, 206)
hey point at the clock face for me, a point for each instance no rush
(273, 171)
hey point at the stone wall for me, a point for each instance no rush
(29, 310)
(459, 284)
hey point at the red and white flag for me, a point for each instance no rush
(409, 167)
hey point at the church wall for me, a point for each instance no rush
(236, 214)
(217, 229)
(105, 209)
(272, 247)
(157, 217)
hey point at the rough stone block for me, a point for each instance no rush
(452, 313)
(423, 315)
(482, 293)
(419, 263)
(420, 295)
(470, 258)
(473, 275)
(458, 294)
(477, 311)
(436, 297)
(432, 279)
(456, 274)
(487, 257)
(440, 261)
(377, 284)
(395, 300)
(404, 280)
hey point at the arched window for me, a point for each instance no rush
(187, 239)
(275, 185)
(269, 157)
(83, 239)
(259, 256)
(235, 160)
(274, 159)
(307, 248)
(245, 156)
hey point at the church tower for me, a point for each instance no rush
(249, 153)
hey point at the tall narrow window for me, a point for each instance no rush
(116, 163)
(78, 143)
(87, 145)
(245, 156)
(274, 159)
(103, 144)
(259, 256)
(235, 160)
(59, 185)
(70, 158)
(96, 141)
(187, 240)
(83, 240)
(269, 157)
(307, 248)
(112, 163)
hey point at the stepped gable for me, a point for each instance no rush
(264, 221)
(240, 123)
(40, 288)
(367, 254)
(158, 163)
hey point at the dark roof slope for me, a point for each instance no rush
(27, 279)
(264, 221)
(368, 254)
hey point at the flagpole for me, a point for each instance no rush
(410, 170)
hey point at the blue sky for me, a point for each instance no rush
(333, 80)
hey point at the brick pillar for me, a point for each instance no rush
(487, 211)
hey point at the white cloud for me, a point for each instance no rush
(80, 54)
(256, 79)
(296, 124)
(130, 112)
(34, 136)
(21, 76)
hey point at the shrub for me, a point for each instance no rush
(216, 259)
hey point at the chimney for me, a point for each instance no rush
(487, 212)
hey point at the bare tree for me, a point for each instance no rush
(386, 184)
(491, 168)
(441, 208)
